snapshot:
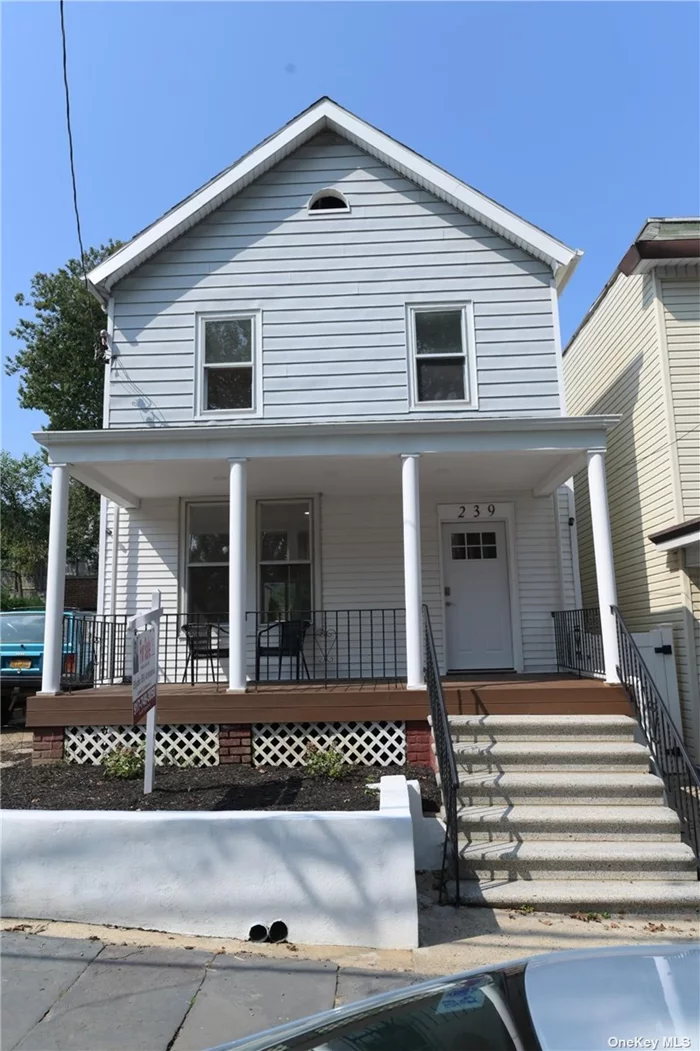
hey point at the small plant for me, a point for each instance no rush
(125, 763)
(526, 910)
(328, 763)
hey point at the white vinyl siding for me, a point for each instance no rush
(613, 366)
(360, 564)
(333, 295)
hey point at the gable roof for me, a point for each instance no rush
(326, 115)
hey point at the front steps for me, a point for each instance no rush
(562, 813)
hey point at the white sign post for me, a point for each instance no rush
(144, 680)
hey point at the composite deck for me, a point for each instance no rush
(276, 702)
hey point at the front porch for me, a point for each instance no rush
(337, 536)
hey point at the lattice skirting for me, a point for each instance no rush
(191, 745)
(365, 744)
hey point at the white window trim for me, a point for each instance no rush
(469, 340)
(200, 413)
(328, 191)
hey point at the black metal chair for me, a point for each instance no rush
(200, 646)
(289, 643)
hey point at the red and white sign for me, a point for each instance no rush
(144, 675)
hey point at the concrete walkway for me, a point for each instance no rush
(70, 994)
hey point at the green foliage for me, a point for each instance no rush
(56, 363)
(327, 763)
(125, 763)
(25, 503)
(59, 375)
(8, 601)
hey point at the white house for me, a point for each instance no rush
(334, 383)
(335, 440)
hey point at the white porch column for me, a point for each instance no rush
(237, 576)
(412, 572)
(55, 580)
(604, 567)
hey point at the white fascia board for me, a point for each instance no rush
(93, 448)
(327, 114)
(689, 540)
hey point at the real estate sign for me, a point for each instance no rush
(144, 674)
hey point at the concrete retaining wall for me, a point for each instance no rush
(333, 878)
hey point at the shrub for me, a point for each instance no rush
(125, 763)
(328, 763)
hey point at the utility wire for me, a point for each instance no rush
(70, 144)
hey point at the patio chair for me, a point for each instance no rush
(288, 643)
(201, 645)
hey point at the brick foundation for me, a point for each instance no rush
(235, 743)
(419, 750)
(47, 746)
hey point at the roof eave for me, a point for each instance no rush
(327, 114)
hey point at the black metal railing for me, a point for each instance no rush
(579, 642)
(447, 766)
(672, 762)
(308, 645)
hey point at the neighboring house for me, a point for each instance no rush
(637, 354)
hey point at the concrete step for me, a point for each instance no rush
(575, 859)
(634, 789)
(609, 756)
(506, 822)
(662, 899)
(542, 727)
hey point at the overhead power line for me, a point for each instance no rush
(70, 143)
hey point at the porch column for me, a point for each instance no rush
(237, 576)
(55, 580)
(604, 566)
(412, 572)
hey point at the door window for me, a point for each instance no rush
(473, 546)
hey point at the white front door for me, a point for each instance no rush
(477, 597)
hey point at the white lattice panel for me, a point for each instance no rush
(192, 745)
(364, 744)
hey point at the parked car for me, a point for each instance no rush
(589, 1000)
(22, 653)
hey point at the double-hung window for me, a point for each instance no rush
(285, 545)
(439, 338)
(229, 358)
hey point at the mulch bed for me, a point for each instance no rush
(231, 787)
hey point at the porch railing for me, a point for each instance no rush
(447, 766)
(672, 762)
(579, 642)
(310, 645)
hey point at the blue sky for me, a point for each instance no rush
(581, 117)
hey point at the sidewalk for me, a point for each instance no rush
(79, 987)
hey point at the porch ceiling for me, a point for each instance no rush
(484, 456)
(488, 473)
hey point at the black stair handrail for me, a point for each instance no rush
(668, 751)
(447, 766)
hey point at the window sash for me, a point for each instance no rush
(287, 563)
(254, 365)
(437, 356)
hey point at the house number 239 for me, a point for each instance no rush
(477, 510)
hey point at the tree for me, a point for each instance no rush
(59, 372)
(61, 375)
(25, 502)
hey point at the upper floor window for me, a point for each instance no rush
(441, 343)
(328, 201)
(229, 358)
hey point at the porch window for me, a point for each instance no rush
(285, 558)
(438, 336)
(228, 357)
(207, 559)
